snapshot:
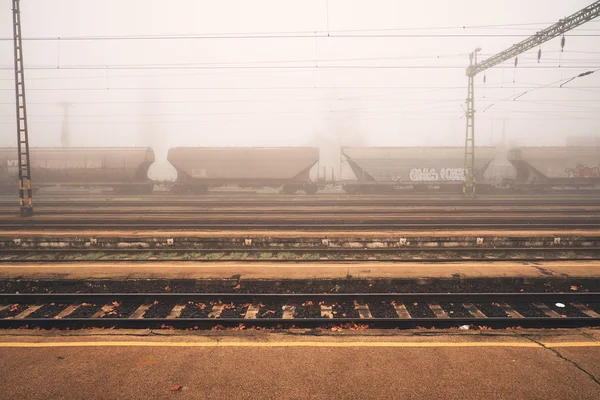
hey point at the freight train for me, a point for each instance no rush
(376, 169)
(123, 169)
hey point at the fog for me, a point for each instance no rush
(295, 73)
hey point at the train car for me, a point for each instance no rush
(385, 169)
(123, 169)
(546, 167)
(202, 168)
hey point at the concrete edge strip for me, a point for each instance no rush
(290, 344)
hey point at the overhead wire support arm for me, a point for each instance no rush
(564, 25)
(561, 27)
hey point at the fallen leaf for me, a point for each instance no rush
(175, 388)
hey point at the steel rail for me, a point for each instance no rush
(174, 298)
(294, 225)
(228, 202)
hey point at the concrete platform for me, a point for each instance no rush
(522, 364)
(292, 270)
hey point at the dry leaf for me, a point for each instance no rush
(175, 388)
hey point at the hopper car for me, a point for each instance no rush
(125, 170)
(545, 167)
(202, 168)
(386, 169)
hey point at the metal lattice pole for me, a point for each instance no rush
(25, 192)
(469, 170)
(560, 28)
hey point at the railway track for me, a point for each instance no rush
(415, 254)
(268, 201)
(281, 213)
(313, 225)
(377, 310)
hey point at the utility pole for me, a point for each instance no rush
(25, 192)
(469, 187)
(561, 27)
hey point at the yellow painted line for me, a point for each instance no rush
(291, 344)
(572, 344)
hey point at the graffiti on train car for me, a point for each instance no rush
(582, 171)
(431, 175)
(199, 173)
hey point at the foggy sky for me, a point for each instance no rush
(221, 98)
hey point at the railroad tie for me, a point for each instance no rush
(67, 311)
(103, 311)
(141, 310)
(473, 310)
(28, 311)
(363, 311)
(585, 310)
(438, 311)
(402, 311)
(216, 311)
(508, 310)
(547, 310)
(326, 311)
(288, 312)
(176, 311)
(252, 311)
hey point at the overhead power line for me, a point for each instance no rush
(308, 35)
(276, 67)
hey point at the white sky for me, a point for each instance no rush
(388, 89)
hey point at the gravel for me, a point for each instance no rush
(159, 310)
(419, 310)
(499, 285)
(48, 310)
(527, 310)
(85, 311)
(308, 310)
(122, 311)
(382, 310)
(195, 310)
(344, 310)
(455, 310)
(594, 307)
(14, 309)
(490, 309)
(234, 310)
(568, 310)
(271, 310)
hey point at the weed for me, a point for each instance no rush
(214, 256)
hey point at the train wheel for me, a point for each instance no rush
(199, 189)
(179, 189)
(351, 189)
(289, 189)
(311, 188)
(146, 189)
